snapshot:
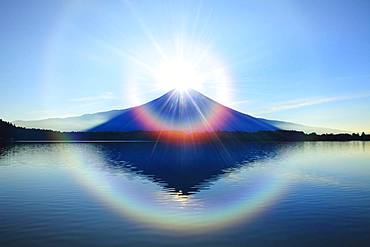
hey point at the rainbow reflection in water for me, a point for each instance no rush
(140, 198)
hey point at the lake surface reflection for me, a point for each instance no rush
(150, 194)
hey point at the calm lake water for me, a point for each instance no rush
(146, 194)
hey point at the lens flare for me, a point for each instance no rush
(145, 201)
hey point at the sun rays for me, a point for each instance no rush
(184, 60)
(181, 70)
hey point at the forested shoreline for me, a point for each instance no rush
(11, 133)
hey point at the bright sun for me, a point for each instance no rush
(178, 74)
(180, 65)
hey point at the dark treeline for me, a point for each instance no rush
(10, 133)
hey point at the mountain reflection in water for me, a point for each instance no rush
(148, 194)
(184, 168)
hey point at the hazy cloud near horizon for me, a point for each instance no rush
(310, 101)
(102, 96)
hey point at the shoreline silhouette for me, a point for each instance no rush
(11, 133)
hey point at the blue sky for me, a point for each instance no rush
(301, 61)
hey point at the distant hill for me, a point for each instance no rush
(78, 123)
(300, 127)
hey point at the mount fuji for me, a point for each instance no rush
(188, 111)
